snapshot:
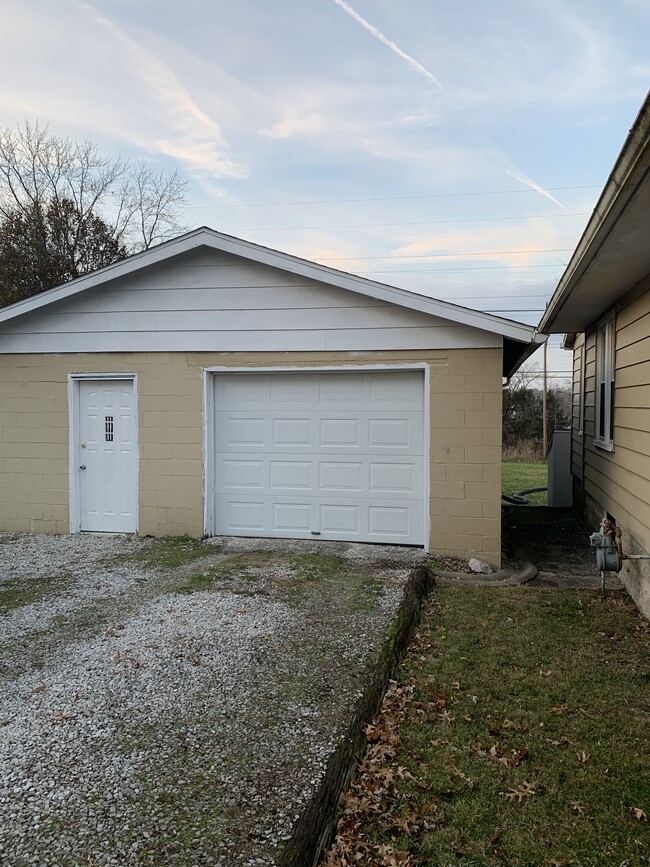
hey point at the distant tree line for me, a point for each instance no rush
(66, 209)
(523, 428)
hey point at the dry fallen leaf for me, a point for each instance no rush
(639, 814)
(577, 807)
(563, 742)
(525, 790)
(583, 758)
(561, 708)
(509, 724)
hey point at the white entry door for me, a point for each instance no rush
(330, 455)
(106, 452)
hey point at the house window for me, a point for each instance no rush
(605, 339)
(581, 386)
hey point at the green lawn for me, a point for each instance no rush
(517, 477)
(517, 735)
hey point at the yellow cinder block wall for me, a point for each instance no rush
(465, 449)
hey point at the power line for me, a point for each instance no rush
(458, 254)
(483, 297)
(457, 270)
(410, 223)
(390, 198)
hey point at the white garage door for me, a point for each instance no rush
(326, 455)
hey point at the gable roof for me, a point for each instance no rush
(613, 254)
(522, 339)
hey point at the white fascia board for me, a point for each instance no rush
(104, 275)
(630, 170)
(275, 259)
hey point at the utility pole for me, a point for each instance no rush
(544, 410)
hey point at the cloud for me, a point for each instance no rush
(509, 245)
(388, 42)
(294, 124)
(325, 248)
(197, 140)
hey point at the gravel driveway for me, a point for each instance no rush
(176, 701)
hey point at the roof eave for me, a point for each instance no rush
(631, 164)
(515, 353)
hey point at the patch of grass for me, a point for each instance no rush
(309, 571)
(366, 591)
(316, 565)
(526, 736)
(520, 476)
(202, 581)
(237, 567)
(26, 591)
(168, 552)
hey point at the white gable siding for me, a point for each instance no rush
(211, 301)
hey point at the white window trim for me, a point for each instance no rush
(74, 380)
(582, 385)
(605, 373)
(207, 375)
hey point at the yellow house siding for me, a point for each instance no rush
(619, 481)
(465, 448)
(578, 435)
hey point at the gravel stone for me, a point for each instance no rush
(144, 725)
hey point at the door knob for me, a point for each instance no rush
(82, 467)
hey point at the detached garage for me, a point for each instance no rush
(210, 385)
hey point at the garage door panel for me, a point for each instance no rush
(340, 476)
(335, 455)
(401, 522)
(245, 516)
(291, 389)
(290, 474)
(340, 519)
(390, 478)
(399, 389)
(334, 391)
(292, 517)
(394, 433)
(237, 431)
(292, 432)
(339, 433)
(242, 474)
(244, 392)
(389, 520)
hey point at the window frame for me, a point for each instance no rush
(605, 382)
(582, 382)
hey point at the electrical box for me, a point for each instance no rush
(560, 486)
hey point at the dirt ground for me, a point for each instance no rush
(556, 541)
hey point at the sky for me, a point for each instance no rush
(452, 149)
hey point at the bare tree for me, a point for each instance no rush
(43, 173)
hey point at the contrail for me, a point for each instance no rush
(514, 172)
(388, 42)
(524, 179)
